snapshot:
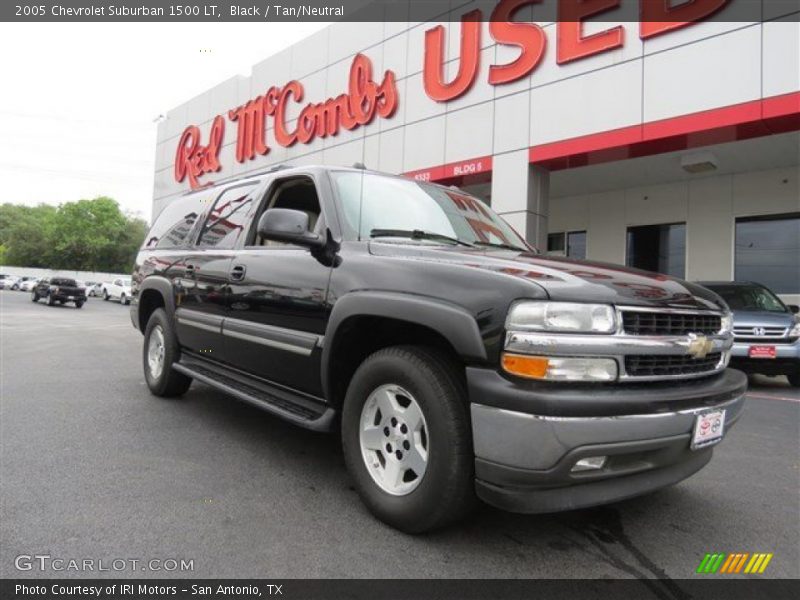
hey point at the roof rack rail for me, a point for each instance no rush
(272, 169)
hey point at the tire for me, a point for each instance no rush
(794, 379)
(445, 491)
(34, 296)
(79, 305)
(124, 300)
(50, 300)
(105, 295)
(166, 382)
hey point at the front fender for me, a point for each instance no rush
(451, 321)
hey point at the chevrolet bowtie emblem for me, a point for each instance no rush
(699, 346)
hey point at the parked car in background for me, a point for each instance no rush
(6, 281)
(28, 284)
(766, 331)
(17, 285)
(94, 288)
(119, 289)
(59, 289)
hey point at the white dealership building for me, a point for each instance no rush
(670, 145)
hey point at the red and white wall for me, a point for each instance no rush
(582, 105)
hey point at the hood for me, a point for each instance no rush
(562, 278)
(763, 318)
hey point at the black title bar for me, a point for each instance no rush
(382, 10)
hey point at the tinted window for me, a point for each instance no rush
(768, 252)
(173, 225)
(227, 220)
(555, 242)
(63, 281)
(658, 248)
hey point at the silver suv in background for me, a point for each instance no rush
(766, 331)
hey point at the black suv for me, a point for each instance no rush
(456, 359)
(59, 289)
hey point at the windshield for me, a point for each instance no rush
(380, 206)
(126, 283)
(745, 297)
(63, 281)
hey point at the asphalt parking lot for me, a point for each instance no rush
(93, 466)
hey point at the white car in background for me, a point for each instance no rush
(119, 289)
(94, 289)
(28, 284)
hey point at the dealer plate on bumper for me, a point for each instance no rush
(708, 429)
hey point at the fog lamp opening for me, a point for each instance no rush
(590, 463)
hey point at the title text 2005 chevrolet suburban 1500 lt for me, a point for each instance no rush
(457, 360)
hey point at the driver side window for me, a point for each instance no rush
(296, 193)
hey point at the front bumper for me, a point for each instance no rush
(528, 437)
(787, 358)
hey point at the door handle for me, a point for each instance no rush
(237, 273)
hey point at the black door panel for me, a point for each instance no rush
(276, 316)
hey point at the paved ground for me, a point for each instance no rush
(92, 466)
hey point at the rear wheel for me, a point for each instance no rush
(123, 299)
(160, 352)
(794, 379)
(79, 305)
(406, 438)
(105, 295)
(51, 301)
(34, 296)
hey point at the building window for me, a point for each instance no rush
(571, 243)
(768, 252)
(658, 248)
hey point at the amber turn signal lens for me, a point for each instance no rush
(533, 367)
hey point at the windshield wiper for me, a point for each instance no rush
(417, 234)
(501, 245)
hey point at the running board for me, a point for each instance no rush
(282, 403)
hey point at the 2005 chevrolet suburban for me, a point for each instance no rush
(457, 360)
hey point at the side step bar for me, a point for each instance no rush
(282, 403)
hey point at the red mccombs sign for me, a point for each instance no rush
(365, 99)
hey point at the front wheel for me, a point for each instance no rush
(51, 301)
(123, 299)
(794, 379)
(34, 297)
(105, 295)
(406, 438)
(160, 352)
(79, 305)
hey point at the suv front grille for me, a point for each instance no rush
(757, 332)
(665, 366)
(666, 323)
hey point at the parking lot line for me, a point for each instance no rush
(771, 397)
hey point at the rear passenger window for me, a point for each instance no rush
(226, 221)
(175, 222)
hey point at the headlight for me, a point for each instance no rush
(561, 316)
(726, 323)
(555, 368)
(795, 331)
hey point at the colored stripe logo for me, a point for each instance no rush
(733, 563)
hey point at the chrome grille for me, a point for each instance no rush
(756, 333)
(668, 366)
(669, 323)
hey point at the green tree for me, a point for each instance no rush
(87, 235)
